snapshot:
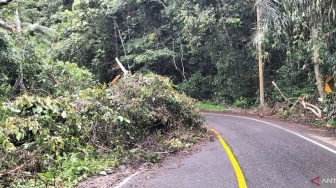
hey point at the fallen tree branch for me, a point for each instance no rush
(126, 72)
(5, 2)
(120, 66)
(316, 110)
(295, 104)
(279, 91)
(8, 26)
(115, 79)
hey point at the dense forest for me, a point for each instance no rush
(60, 85)
(208, 48)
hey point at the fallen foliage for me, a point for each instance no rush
(56, 141)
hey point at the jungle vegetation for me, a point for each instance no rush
(66, 105)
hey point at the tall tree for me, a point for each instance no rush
(22, 53)
(260, 63)
(315, 14)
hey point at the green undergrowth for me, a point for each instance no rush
(55, 141)
(297, 113)
(211, 107)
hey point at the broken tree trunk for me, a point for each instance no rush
(314, 109)
(126, 72)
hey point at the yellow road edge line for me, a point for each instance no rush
(236, 167)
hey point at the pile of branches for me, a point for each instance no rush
(295, 100)
(37, 131)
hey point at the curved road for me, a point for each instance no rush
(270, 154)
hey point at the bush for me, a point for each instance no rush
(64, 78)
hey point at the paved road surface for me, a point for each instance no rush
(270, 154)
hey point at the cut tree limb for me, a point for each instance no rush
(312, 108)
(8, 26)
(316, 110)
(126, 72)
(279, 91)
(115, 79)
(5, 2)
(295, 104)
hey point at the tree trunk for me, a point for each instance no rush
(18, 21)
(261, 68)
(318, 75)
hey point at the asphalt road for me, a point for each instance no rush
(270, 154)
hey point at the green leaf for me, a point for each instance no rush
(58, 106)
(19, 136)
(37, 110)
(120, 118)
(64, 114)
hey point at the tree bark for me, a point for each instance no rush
(18, 21)
(261, 68)
(5, 2)
(7, 26)
(126, 72)
(318, 75)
